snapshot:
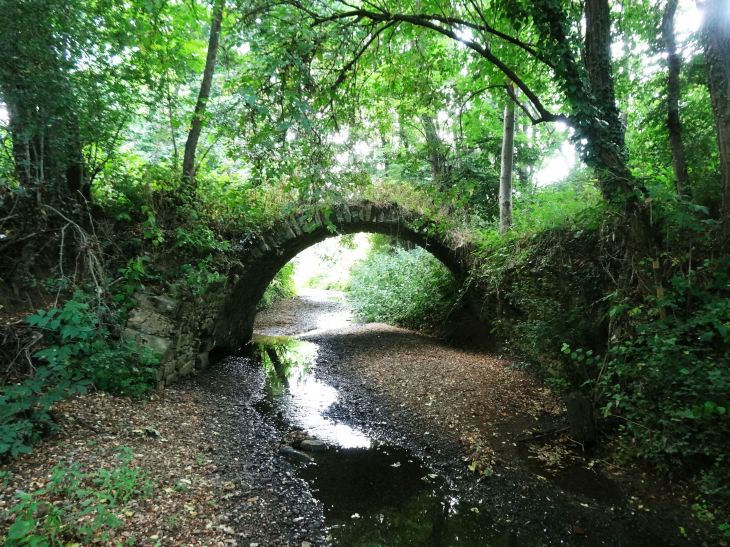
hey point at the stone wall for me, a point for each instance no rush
(180, 329)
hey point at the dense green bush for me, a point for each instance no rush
(328, 283)
(281, 288)
(670, 378)
(80, 351)
(408, 288)
(79, 341)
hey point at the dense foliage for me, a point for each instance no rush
(95, 500)
(408, 288)
(281, 288)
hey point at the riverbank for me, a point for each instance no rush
(210, 446)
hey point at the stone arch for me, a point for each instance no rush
(264, 255)
(187, 329)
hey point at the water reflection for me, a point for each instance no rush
(298, 396)
(387, 497)
(373, 494)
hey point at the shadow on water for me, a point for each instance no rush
(373, 494)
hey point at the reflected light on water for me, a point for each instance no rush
(305, 400)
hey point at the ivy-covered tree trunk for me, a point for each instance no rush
(716, 42)
(606, 135)
(196, 125)
(436, 156)
(505, 178)
(679, 160)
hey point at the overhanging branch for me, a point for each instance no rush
(348, 66)
(426, 21)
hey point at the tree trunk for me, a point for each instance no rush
(607, 138)
(196, 125)
(715, 35)
(505, 179)
(582, 419)
(436, 157)
(46, 151)
(679, 160)
(41, 102)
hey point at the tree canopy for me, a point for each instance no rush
(321, 97)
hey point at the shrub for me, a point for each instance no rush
(670, 379)
(199, 239)
(408, 288)
(80, 352)
(281, 288)
(81, 343)
(328, 283)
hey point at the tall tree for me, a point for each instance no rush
(69, 77)
(196, 124)
(580, 68)
(505, 179)
(436, 157)
(679, 159)
(36, 87)
(715, 35)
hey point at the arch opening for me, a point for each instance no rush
(234, 326)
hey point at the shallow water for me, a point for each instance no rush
(372, 493)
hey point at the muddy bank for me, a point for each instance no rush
(433, 401)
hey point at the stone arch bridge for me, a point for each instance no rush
(188, 329)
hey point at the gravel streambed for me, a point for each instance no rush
(427, 408)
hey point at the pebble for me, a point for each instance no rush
(311, 445)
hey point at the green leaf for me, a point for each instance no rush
(20, 528)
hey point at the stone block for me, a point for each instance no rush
(159, 344)
(148, 321)
(346, 213)
(294, 225)
(312, 445)
(366, 212)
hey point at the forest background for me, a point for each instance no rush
(140, 137)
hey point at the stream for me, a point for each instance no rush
(372, 492)
(389, 476)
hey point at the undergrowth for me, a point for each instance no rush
(655, 357)
(80, 351)
(77, 507)
(408, 288)
(281, 288)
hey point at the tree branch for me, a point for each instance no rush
(343, 72)
(513, 96)
(545, 115)
(427, 18)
